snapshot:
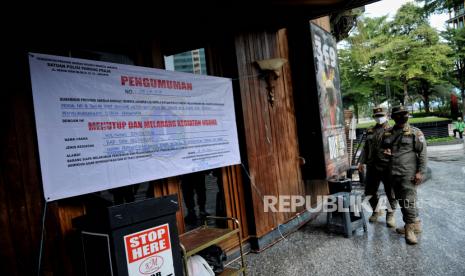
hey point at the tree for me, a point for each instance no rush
(356, 61)
(441, 94)
(355, 86)
(406, 53)
(433, 60)
(439, 6)
(427, 91)
(412, 52)
(456, 40)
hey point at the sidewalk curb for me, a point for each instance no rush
(446, 147)
(445, 143)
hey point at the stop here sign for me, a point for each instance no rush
(148, 252)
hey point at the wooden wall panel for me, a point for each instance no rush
(63, 242)
(289, 154)
(18, 202)
(7, 251)
(270, 131)
(221, 61)
(234, 200)
(323, 22)
(170, 186)
(21, 195)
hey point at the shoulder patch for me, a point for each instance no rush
(420, 135)
(417, 131)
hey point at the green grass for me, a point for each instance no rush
(433, 140)
(411, 120)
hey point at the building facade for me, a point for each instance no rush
(189, 62)
(273, 139)
(457, 17)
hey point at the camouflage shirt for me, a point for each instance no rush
(408, 149)
(372, 153)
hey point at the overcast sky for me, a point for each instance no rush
(390, 7)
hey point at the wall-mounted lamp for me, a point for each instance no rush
(271, 69)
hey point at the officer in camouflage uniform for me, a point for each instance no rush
(406, 147)
(377, 168)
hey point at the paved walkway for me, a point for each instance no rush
(381, 251)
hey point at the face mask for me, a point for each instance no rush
(380, 120)
(400, 120)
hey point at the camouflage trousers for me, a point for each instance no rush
(406, 195)
(373, 179)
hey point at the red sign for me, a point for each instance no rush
(147, 243)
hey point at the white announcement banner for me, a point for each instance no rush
(103, 125)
